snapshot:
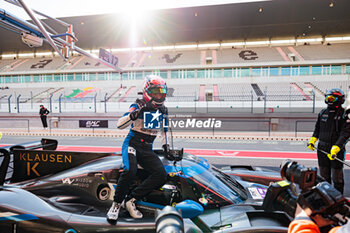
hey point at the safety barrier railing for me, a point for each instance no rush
(191, 103)
(310, 122)
(198, 125)
(266, 128)
(225, 125)
(58, 121)
(17, 120)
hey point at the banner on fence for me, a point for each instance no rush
(93, 123)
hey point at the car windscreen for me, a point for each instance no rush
(231, 182)
(208, 185)
(213, 188)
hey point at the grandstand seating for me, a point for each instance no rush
(301, 91)
(236, 91)
(6, 64)
(85, 63)
(38, 64)
(216, 92)
(187, 92)
(230, 74)
(251, 55)
(40, 95)
(177, 92)
(324, 52)
(130, 92)
(257, 89)
(284, 91)
(244, 91)
(78, 92)
(184, 58)
(323, 86)
(168, 59)
(114, 93)
(26, 94)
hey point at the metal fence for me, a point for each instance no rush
(208, 126)
(189, 103)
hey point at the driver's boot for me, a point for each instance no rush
(131, 208)
(113, 212)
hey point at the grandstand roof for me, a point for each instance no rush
(243, 21)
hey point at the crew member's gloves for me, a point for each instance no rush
(334, 152)
(311, 144)
(167, 154)
(135, 114)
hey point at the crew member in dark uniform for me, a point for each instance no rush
(43, 113)
(329, 126)
(344, 134)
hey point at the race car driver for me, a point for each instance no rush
(137, 147)
(330, 123)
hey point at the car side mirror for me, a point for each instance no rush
(189, 208)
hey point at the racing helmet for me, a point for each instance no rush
(334, 97)
(154, 90)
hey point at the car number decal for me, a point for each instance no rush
(131, 150)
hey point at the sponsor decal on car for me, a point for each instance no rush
(257, 192)
(80, 182)
(5, 216)
(45, 157)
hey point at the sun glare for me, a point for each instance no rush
(136, 18)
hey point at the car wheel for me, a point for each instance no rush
(103, 192)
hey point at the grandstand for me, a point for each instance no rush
(236, 74)
(289, 56)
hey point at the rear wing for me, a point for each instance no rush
(6, 155)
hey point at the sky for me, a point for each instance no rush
(65, 8)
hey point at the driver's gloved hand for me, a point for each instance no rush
(167, 154)
(147, 105)
(135, 114)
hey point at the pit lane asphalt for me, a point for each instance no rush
(239, 145)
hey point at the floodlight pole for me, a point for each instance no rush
(53, 40)
(41, 27)
(39, 13)
(87, 54)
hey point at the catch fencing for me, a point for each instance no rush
(178, 104)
